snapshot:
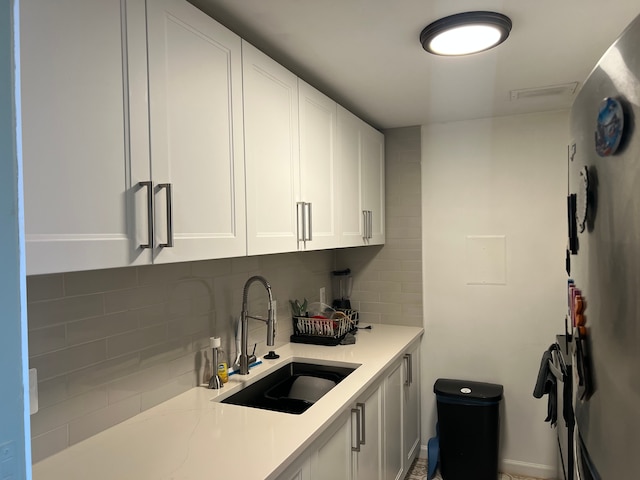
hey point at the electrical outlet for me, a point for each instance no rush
(323, 295)
(8, 461)
(33, 391)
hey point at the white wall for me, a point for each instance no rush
(14, 415)
(495, 177)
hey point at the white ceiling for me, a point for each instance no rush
(367, 56)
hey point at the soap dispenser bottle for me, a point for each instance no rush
(215, 382)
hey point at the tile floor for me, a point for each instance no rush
(418, 471)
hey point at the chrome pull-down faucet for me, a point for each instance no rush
(245, 358)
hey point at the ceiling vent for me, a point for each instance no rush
(564, 90)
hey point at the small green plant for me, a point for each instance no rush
(298, 309)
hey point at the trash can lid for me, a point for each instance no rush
(450, 388)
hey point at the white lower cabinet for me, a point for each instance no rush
(331, 458)
(376, 438)
(411, 406)
(393, 461)
(367, 435)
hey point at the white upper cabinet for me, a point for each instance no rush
(350, 179)
(360, 182)
(153, 134)
(272, 156)
(77, 146)
(122, 157)
(318, 170)
(373, 179)
(197, 148)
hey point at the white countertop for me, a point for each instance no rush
(190, 435)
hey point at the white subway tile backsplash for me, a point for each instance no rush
(245, 264)
(136, 340)
(134, 298)
(411, 287)
(73, 358)
(189, 325)
(169, 351)
(55, 416)
(163, 273)
(168, 390)
(378, 286)
(102, 419)
(381, 308)
(211, 268)
(102, 373)
(46, 340)
(96, 328)
(137, 383)
(52, 391)
(157, 314)
(43, 446)
(54, 312)
(98, 281)
(411, 266)
(44, 287)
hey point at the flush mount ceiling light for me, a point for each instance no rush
(465, 33)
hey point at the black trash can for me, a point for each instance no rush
(468, 425)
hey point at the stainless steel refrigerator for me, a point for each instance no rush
(604, 262)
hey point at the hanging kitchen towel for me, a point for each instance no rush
(546, 385)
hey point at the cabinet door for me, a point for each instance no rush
(77, 142)
(411, 406)
(299, 470)
(368, 461)
(332, 458)
(349, 180)
(195, 88)
(271, 153)
(361, 182)
(373, 183)
(318, 172)
(393, 460)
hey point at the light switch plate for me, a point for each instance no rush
(33, 390)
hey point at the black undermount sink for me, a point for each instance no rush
(293, 388)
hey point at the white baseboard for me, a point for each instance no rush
(529, 469)
(518, 468)
(422, 453)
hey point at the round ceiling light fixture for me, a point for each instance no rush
(465, 33)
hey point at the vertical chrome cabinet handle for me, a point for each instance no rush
(361, 406)
(357, 447)
(149, 187)
(370, 224)
(310, 220)
(364, 224)
(169, 191)
(409, 376)
(300, 221)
